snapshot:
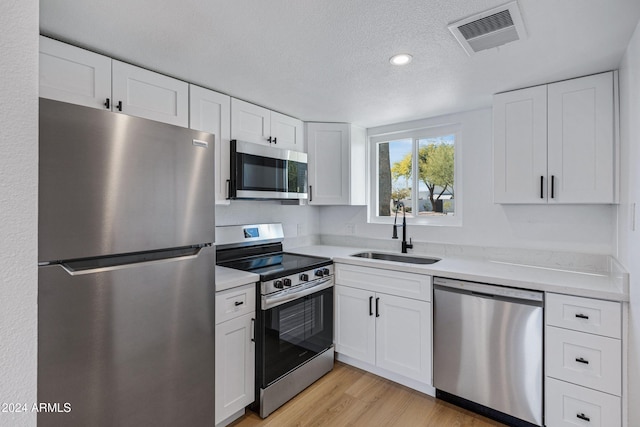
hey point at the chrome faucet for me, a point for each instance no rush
(405, 245)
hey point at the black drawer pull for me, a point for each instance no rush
(237, 303)
(370, 306)
(583, 417)
(377, 307)
(581, 360)
(119, 106)
(107, 104)
(582, 316)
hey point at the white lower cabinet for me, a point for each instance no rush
(381, 330)
(571, 405)
(583, 362)
(235, 352)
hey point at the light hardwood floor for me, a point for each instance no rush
(348, 396)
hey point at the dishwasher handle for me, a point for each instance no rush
(483, 290)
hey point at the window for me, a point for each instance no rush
(419, 169)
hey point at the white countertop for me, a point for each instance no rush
(612, 285)
(227, 278)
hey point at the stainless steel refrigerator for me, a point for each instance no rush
(126, 271)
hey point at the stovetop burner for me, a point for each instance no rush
(258, 248)
(272, 266)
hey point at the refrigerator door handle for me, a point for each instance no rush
(100, 265)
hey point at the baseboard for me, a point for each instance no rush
(407, 382)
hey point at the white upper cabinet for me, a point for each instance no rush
(520, 146)
(581, 140)
(260, 125)
(250, 122)
(211, 112)
(287, 132)
(556, 143)
(74, 75)
(337, 161)
(143, 93)
(78, 76)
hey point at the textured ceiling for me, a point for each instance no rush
(328, 60)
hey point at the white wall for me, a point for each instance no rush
(18, 206)
(300, 223)
(586, 229)
(629, 239)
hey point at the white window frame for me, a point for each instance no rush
(415, 134)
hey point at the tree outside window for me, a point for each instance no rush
(434, 160)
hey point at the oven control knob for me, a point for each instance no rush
(278, 284)
(318, 273)
(326, 272)
(304, 277)
(287, 282)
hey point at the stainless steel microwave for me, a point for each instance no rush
(265, 172)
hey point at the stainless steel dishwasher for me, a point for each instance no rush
(488, 349)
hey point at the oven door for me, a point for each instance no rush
(292, 333)
(263, 172)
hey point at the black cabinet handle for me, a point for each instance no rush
(275, 140)
(581, 360)
(370, 306)
(542, 187)
(107, 104)
(553, 179)
(269, 140)
(377, 307)
(583, 417)
(253, 330)
(119, 106)
(311, 193)
(237, 303)
(582, 316)
(228, 188)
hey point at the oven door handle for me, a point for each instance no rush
(274, 301)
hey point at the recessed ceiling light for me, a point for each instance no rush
(401, 59)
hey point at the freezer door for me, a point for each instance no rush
(111, 183)
(128, 345)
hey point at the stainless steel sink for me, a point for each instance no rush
(397, 257)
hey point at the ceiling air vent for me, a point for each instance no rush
(493, 28)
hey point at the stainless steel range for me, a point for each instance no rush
(294, 325)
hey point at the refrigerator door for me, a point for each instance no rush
(111, 183)
(128, 345)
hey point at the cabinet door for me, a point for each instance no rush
(250, 122)
(211, 112)
(287, 132)
(355, 325)
(581, 140)
(520, 146)
(235, 366)
(403, 336)
(150, 95)
(328, 148)
(74, 75)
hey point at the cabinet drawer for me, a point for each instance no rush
(584, 315)
(410, 285)
(235, 302)
(572, 405)
(584, 359)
